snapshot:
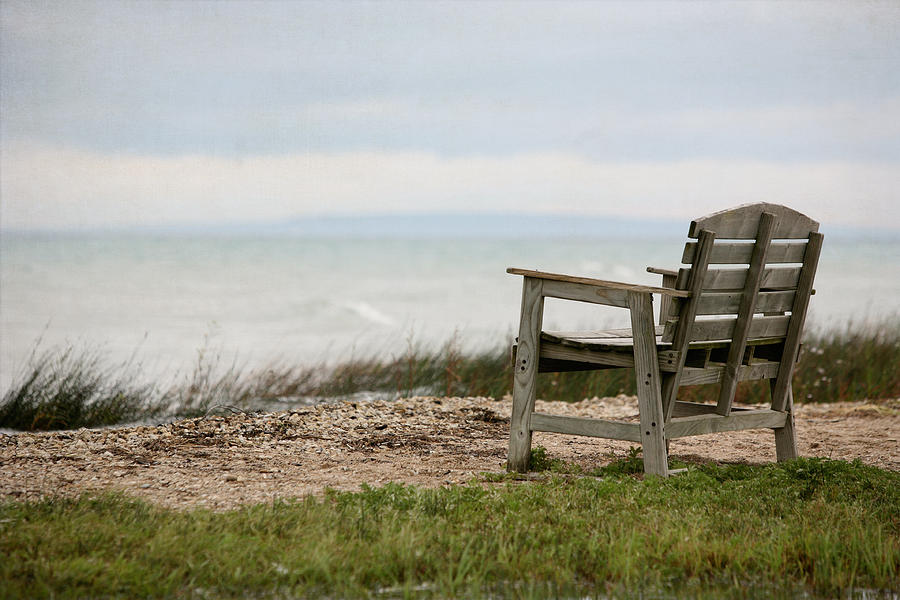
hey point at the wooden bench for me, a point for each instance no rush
(734, 312)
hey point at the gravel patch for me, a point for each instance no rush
(221, 462)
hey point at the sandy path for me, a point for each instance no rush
(221, 462)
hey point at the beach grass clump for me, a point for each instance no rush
(417, 371)
(858, 361)
(805, 526)
(75, 388)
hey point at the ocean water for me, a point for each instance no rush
(285, 298)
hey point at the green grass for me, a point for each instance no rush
(811, 524)
(67, 389)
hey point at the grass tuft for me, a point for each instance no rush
(74, 388)
(539, 461)
(633, 464)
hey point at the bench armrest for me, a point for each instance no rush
(663, 272)
(669, 277)
(599, 283)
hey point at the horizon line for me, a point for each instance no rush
(489, 220)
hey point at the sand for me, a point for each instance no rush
(222, 462)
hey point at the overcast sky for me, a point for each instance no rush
(121, 113)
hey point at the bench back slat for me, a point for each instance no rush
(741, 223)
(773, 278)
(738, 253)
(727, 303)
(721, 329)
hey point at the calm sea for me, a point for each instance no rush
(287, 298)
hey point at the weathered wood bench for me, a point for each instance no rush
(734, 312)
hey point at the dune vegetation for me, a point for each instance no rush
(69, 388)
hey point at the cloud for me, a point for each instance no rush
(614, 80)
(44, 187)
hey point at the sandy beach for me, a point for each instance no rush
(221, 462)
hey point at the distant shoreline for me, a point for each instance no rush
(436, 225)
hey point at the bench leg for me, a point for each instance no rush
(646, 371)
(786, 437)
(525, 376)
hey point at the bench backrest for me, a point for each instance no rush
(750, 273)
